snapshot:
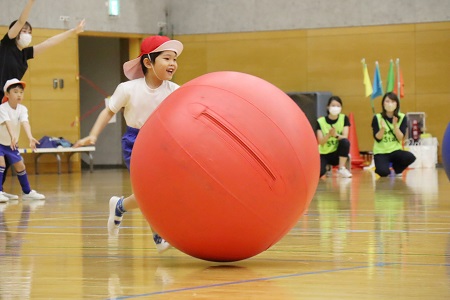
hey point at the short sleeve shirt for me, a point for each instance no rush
(138, 100)
(16, 117)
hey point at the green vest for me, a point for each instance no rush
(389, 142)
(332, 144)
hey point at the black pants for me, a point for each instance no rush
(333, 158)
(400, 160)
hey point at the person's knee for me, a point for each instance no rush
(344, 142)
(383, 172)
(344, 147)
(411, 158)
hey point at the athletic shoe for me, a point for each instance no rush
(115, 217)
(33, 195)
(3, 198)
(161, 244)
(10, 196)
(398, 175)
(344, 172)
(2, 208)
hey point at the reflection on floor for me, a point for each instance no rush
(361, 238)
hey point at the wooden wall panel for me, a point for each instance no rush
(295, 60)
(432, 58)
(273, 56)
(193, 61)
(330, 60)
(60, 62)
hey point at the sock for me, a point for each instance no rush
(119, 208)
(2, 172)
(23, 180)
(157, 238)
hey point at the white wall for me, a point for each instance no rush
(213, 16)
(218, 16)
(136, 16)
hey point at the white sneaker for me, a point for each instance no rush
(10, 196)
(161, 244)
(114, 220)
(3, 206)
(33, 195)
(344, 172)
(3, 198)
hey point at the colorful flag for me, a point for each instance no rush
(377, 85)
(367, 82)
(390, 81)
(399, 82)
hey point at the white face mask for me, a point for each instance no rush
(390, 107)
(24, 40)
(335, 110)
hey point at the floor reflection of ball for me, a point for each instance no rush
(225, 166)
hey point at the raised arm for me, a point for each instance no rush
(54, 40)
(102, 120)
(15, 29)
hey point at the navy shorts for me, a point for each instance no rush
(127, 144)
(12, 156)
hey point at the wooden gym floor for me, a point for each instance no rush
(362, 238)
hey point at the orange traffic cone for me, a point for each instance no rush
(357, 160)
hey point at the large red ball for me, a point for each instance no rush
(225, 166)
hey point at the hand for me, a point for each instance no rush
(89, 140)
(383, 124)
(33, 143)
(394, 121)
(14, 142)
(80, 26)
(332, 132)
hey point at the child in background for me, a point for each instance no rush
(12, 116)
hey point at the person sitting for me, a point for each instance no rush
(389, 128)
(332, 136)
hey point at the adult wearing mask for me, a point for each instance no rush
(15, 50)
(389, 128)
(332, 136)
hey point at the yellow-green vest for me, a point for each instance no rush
(332, 144)
(389, 142)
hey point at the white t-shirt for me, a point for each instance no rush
(16, 116)
(139, 100)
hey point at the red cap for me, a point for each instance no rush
(151, 44)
